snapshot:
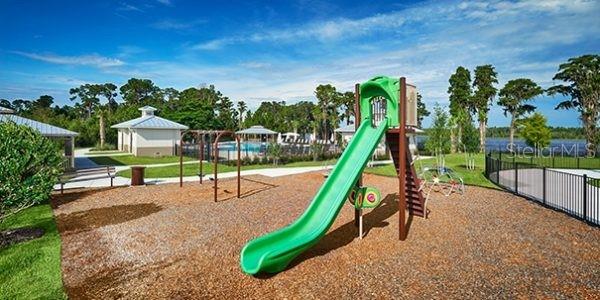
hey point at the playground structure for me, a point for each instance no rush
(200, 135)
(381, 108)
(442, 180)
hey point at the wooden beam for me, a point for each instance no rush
(402, 160)
(356, 125)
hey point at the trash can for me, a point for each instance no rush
(137, 175)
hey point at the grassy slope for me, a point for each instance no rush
(556, 162)
(128, 160)
(453, 161)
(192, 169)
(31, 270)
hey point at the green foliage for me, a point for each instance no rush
(483, 83)
(515, 94)
(557, 132)
(439, 134)
(274, 152)
(422, 111)
(483, 96)
(470, 138)
(582, 75)
(242, 108)
(535, 131)
(88, 94)
(280, 117)
(346, 102)
(474, 176)
(460, 95)
(327, 98)
(106, 147)
(513, 97)
(140, 92)
(29, 168)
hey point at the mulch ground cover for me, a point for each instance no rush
(13, 236)
(169, 242)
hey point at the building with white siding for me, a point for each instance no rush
(149, 135)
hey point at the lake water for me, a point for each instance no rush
(558, 146)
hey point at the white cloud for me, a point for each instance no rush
(93, 60)
(129, 7)
(170, 24)
(165, 2)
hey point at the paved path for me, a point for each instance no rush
(104, 181)
(81, 161)
(564, 189)
(92, 181)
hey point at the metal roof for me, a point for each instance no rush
(147, 108)
(150, 122)
(43, 128)
(256, 130)
(346, 129)
(4, 110)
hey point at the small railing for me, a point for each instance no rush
(577, 195)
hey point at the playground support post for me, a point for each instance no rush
(357, 213)
(238, 164)
(201, 149)
(216, 161)
(402, 161)
(181, 157)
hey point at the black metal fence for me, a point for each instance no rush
(572, 192)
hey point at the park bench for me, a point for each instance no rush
(77, 175)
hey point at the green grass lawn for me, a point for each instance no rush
(454, 161)
(128, 160)
(31, 270)
(102, 152)
(207, 168)
(566, 162)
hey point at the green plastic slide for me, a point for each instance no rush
(272, 252)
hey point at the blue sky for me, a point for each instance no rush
(255, 51)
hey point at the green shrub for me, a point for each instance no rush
(107, 147)
(29, 168)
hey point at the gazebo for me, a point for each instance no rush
(257, 133)
(67, 137)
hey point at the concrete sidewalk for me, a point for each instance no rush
(95, 181)
(104, 181)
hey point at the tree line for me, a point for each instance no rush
(96, 108)
(470, 100)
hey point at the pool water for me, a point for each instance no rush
(253, 147)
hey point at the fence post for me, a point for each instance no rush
(552, 160)
(516, 178)
(544, 185)
(577, 161)
(498, 172)
(585, 197)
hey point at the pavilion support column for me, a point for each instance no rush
(72, 158)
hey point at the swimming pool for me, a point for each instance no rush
(254, 147)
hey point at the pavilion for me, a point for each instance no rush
(258, 133)
(67, 137)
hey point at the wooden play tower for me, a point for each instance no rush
(410, 197)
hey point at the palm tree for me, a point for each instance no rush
(101, 112)
(242, 108)
(346, 101)
(326, 96)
